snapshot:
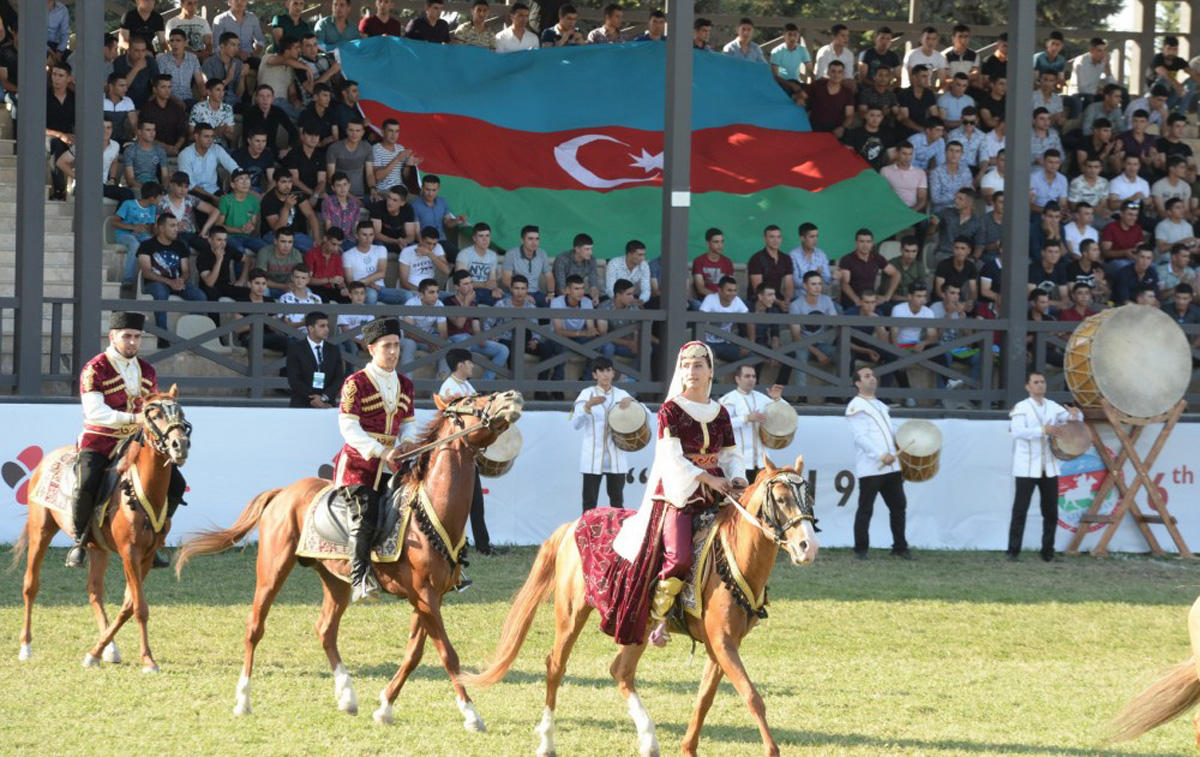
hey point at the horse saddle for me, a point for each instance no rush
(56, 486)
(326, 531)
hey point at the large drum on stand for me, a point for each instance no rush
(1134, 356)
(920, 447)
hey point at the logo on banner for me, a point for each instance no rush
(1078, 483)
(16, 472)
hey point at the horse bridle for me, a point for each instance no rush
(767, 520)
(173, 415)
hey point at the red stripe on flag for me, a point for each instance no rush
(736, 159)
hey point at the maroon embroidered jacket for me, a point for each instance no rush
(361, 400)
(702, 444)
(101, 375)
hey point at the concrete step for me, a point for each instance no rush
(8, 207)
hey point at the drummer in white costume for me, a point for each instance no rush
(458, 384)
(746, 406)
(599, 457)
(1034, 421)
(876, 465)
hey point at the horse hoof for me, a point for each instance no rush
(348, 702)
(546, 752)
(90, 662)
(648, 746)
(471, 720)
(26, 653)
(241, 708)
(151, 668)
(111, 653)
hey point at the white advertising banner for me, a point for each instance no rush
(238, 452)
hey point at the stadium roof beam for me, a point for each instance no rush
(677, 171)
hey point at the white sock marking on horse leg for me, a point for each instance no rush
(647, 741)
(242, 707)
(545, 730)
(90, 662)
(26, 652)
(384, 715)
(111, 653)
(343, 689)
(471, 720)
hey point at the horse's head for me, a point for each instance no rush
(491, 414)
(785, 508)
(165, 427)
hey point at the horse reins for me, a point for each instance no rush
(485, 420)
(780, 530)
(173, 414)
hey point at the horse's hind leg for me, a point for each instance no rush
(412, 658)
(623, 670)
(337, 596)
(570, 614)
(274, 565)
(40, 529)
(704, 700)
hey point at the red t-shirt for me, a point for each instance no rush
(322, 268)
(1071, 314)
(826, 111)
(374, 26)
(712, 271)
(1122, 239)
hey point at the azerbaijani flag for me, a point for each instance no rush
(571, 140)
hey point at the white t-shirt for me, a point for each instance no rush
(1122, 187)
(991, 180)
(1073, 236)
(917, 57)
(827, 54)
(420, 267)
(507, 42)
(359, 265)
(910, 334)
(712, 304)
(426, 323)
(1170, 232)
(111, 151)
(1163, 190)
(289, 298)
(349, 322)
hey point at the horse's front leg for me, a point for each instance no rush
(704, 700)
(412, 657)
(726, 653)
(429, 606)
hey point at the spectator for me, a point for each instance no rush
(917, 102)
(579, 328)
(133, 223)
(433, 210)
(163, 261)
(831, 101)
(873, 143)
(1119, 240)
(422, 260)
(610, 31)
(529, 260)
(183, 68)
(701, 31)
(907, 181)
(1081, 304)
(992, 235)
(708, 269)
(790, 59)
(319, 115)
(1147, 296)
(953, 307)
(144, 159)
(859, 348)
(955, 100)
(278, 260)
(347, 108)
(807, 256)
(332, 31)
(1129, 279)
(340, 209)
(381, 22)
(1128, 186)
(214, 111)
(1154, 104)
(879, 93)
(993, 143)
(960, 58)
(169, 116)
(1107, 107)
(1165, 68)
(517, 35)
(577, 261)
(200, 160)
(1175, 271)
(474, 30)
(1046, 96)
(622, 299)
(138, 69)
(1080, 228)
(288, 24)
(881, 55)
(631, 266)
(1090, 188)
(970, 137)
(1183, 310)
(859, 270)
(328, 275)
(767, 334)
(483, 264)
(1175, 230)
(284, 207)
(218, 268)
(772, 266)
(111, 167)
(258, 294)
(321, 69)
(656, 28)
(1088, 270)
(238, 212)
(724, 300)
(1101, 145)
(183, 205)
(60, 123)
(258, 160)
(912, 269)
(1051, 59)
(1091, 74)
(268, 118)
(195, 28)
(518, 297)
(306, 164)
(927, 55)
(929, 149)
(58, 29)
(429, 26)
(1048, 185)
(461, 328)
(394, 220)
(348, 323)
(298, 293)
(1045, 228)
(957, 221)
(140, 21)
(912, 338)
(389, 158)
(1044, 136)
(742, 47)
(990, 287)
(280, 71)
(951, 176)
(1172, 145)
(431, 325)
(837, 49)
(1139, 144)
(992, 105)
(226, 67)
(1173, 187)
(564, 32)
(813, 300)
(958, 271)
(314, 367)
(119, 110)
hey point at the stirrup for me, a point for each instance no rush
(365, 591)
(76, 556)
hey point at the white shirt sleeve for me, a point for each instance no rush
(408, 431)
(677, 472)
(95, 411)
(731, 462)
(735, 415)
(1025, 427)
(580, 414)
(360, 440)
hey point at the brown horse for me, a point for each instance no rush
(1169, 697)
(423, 574)
(778, 511)
(135, 526)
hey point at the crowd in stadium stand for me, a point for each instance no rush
(243, 168)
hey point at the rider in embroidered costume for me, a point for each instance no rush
(696, 463)
(376, 411)
(112, 387)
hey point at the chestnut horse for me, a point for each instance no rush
(422, 575)
(135, 526)
(778, 511)
(1169, 697)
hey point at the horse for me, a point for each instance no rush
(1176, 692)
(427, 569)
(776, 510)
(135, 525)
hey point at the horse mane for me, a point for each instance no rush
(416, 472)
(130, 455)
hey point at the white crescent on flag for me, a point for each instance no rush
(567, 157)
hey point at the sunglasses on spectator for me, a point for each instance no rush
(969, 122)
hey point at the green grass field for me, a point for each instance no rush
(955, 653)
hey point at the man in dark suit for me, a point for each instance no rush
(314, 367)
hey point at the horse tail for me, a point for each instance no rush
(524, 606)
(1165, 699)
(211, 542)
(18, 550)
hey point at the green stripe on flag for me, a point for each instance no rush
(613, 218)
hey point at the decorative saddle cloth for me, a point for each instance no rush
(55, 488)
(325, 535)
